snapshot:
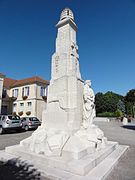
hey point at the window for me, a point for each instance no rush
(43, 91)
(3, 118)
(21, 106)
(14, 117)
(15, 93)
(25, 91)
(14, 107)
(29, 106)
(4, 93)
(68, 12)
(22, 92)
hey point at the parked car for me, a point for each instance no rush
(30, 123)
(10, 122)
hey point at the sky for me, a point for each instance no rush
(105, 36)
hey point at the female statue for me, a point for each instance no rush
(89, 106)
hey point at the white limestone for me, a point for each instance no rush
(93, 166)
(88, 106)
(125, 121)
(67, 126)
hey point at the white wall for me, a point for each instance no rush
(38, 103)
(1, 90)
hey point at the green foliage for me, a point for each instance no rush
(114, 105)
(130, 102)
(118, 113)
(99, 101)
(129, 108)
(130, 96)
(121, 106)
(106, 114)
(107, 102)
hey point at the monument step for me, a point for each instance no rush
(79, 167)
(103, 169)
(98, 168)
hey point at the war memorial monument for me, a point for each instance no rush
(68, 145)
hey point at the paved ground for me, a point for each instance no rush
(12, 138)
(125, 169)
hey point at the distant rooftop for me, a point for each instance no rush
(9, 83)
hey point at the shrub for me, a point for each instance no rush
(20, 113)
(106, 114)
(28, 113)
(118, 113)
(14, 113)
(25, 97)
(45, 98)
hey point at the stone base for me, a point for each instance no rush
(95, 164)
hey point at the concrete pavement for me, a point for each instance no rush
(125, 169)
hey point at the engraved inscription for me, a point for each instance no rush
(56, 63)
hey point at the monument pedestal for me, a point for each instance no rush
(95, 166)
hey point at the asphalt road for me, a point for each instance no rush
(114, 131)
(12, 138)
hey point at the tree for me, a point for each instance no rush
(129, 108)
(130, 96)
(121, 106)
(107, 102)
(118, 113)
(130, 102)
(99, 101)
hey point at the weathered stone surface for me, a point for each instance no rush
(68, 119)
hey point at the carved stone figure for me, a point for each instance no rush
(89, 106)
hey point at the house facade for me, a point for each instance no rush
(26, 97)
(1, 89)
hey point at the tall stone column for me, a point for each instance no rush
(64, 106)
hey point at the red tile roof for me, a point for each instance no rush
(8, 82)
(31, 80)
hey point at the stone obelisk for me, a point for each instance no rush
(64, 104)
(63, 115)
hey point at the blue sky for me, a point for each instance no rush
(106, 40)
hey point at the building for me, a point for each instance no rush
(26, 97)
(1, 88)
(7, 100)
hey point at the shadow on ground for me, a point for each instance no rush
(16, 169)
(129, 127)
(14, 132)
